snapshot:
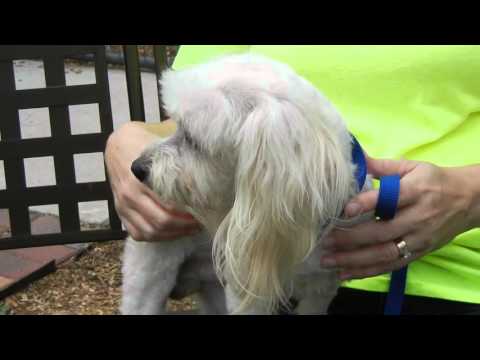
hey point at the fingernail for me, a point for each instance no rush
(328, 262)
(352, 209)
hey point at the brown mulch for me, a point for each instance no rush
(88, 285)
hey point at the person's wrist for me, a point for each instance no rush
(471, 177)
(476, 188)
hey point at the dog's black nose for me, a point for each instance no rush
(140, 170)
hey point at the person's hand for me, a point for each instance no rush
(138, 207)
(435, 205)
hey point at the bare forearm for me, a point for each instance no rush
(132, 138)
(133, 134)
(163, 129)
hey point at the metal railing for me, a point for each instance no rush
(134, 81)
(61, 145)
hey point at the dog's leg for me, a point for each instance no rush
(212, 299)
(315, 304)
(233, 302)
(318, 293)
(149, 274)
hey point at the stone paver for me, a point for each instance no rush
(5, 282)
(43, 254)
(14, 267)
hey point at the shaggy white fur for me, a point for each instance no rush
(263, 161)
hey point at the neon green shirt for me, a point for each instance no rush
(417, 102)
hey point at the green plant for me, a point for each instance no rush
(4, 310)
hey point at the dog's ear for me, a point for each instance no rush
(291, 178)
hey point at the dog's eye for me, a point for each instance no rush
(188, 138)
(189, 141)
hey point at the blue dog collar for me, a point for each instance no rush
(385, 210)
(358, 158)
(389, 185)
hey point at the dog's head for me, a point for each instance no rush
(261, 158)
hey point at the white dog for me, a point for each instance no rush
(263, 161)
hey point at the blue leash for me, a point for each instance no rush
(385, 210)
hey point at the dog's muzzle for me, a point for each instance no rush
(140, 169)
